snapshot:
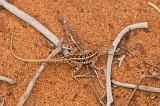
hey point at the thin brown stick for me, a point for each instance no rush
(134, 91)
(96, 93)
(141, 59)
(137, 85)
(69, 33)
(93, 86)
(98, 78)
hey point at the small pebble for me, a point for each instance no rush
(139, 47)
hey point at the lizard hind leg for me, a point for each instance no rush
(101, 69)
(86, 75)
(75, 75)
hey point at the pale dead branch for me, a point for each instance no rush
(110, 57)
(8, 80)
(154, 6)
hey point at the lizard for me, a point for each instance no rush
(75, 60)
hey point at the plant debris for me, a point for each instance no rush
(72, 51)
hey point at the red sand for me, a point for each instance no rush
(96, 23)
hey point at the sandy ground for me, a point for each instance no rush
(97, 23)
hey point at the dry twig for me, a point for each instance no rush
(96, 93)
(38, 73)
(69, 33)
(140, 87)
(24, 97)
(120, 59)
(8, 80)
(139, 82)
(110, 58)
(32, 21)
(141, 59)
(154, 6)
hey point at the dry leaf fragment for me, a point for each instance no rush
(120, 59)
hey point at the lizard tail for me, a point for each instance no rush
(22, 59)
